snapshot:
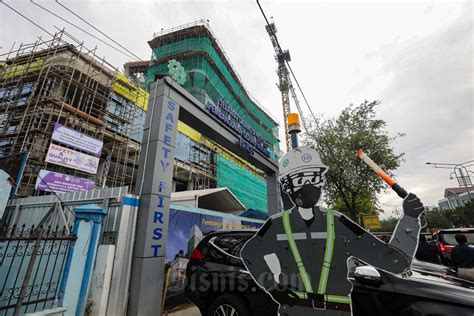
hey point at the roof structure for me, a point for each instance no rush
(458, 190)
(218, 199)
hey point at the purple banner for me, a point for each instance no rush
(58, 182)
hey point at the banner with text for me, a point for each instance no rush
(58, 182)
(78, 140)
(66, 157)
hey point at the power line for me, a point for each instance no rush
(81, 29)
(26, 18)
(82, 19)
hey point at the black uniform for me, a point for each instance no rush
(310, 238)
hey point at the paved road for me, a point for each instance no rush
(185, 310)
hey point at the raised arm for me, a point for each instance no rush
(395, 256)
(406, 233)
(366, 247)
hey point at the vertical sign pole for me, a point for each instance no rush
(154, 184)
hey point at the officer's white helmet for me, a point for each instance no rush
(300, 159)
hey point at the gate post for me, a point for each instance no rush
(154, 184)
(74, 287)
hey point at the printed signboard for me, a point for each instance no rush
(66, 157)
(187, 227)
(78, 140)
(371, 221)
(58, 182)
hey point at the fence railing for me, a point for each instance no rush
(31, 265)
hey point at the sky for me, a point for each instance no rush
(416, 57)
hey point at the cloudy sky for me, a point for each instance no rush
(414, 56)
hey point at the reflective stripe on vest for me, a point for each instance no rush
(328, 252)
(328, 297)
(296, 254)
(323, 278)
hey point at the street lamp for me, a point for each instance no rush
(460, 173)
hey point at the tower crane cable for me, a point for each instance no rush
(302, 94)
(98, 30)
(288, 79)
(292, 74)
(81, 29)
(26, 18)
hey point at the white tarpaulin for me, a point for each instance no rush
(78, 140)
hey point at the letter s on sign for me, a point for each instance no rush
(157, 233)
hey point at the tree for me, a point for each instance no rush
(388, 225)
(462, 216)
(351, 186)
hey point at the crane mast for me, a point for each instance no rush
(284, 82)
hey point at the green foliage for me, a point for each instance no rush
(352, 186)
(459, 217)
(388, 225)
(437, 218)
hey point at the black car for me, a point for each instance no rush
(219, 285)
(445, 242)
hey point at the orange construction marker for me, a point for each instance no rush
(385, 177)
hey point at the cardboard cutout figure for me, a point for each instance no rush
(300, 256)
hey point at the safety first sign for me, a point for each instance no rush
(371, 221)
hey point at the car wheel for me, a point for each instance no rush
(229, 305)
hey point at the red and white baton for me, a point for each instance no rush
(385, 177)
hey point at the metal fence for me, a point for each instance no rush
(31, 265)
(51, 210)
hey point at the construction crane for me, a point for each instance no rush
(284, 82)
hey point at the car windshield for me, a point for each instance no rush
(449, 237)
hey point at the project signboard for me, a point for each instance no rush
(58, 182)
(78, 140)
(187, 227)
(66, 157)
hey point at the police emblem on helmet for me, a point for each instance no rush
(306, 158)
(285, 163)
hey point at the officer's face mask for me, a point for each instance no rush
(304, 188)
(306, 196)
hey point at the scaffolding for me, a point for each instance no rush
(210, 75)
(57, 81)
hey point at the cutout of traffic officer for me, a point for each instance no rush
(300, 256)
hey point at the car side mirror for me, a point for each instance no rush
(367, 275)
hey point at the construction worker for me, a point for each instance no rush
(300, 256)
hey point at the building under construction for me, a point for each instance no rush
(54, 89)
(208, 75)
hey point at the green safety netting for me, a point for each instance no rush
(202, 75)
(250, 189)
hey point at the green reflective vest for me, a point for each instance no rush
(326, 263)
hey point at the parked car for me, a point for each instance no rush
(219, 285)
(445, 242)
